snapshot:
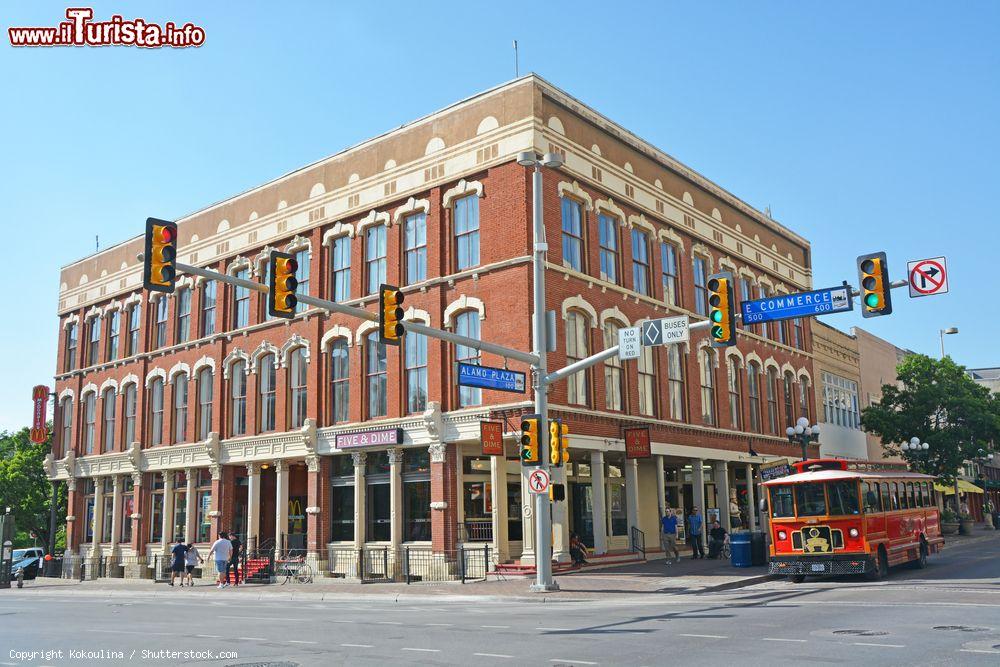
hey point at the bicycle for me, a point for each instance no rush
(295, 569)
(726, 552)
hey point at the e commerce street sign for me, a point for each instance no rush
(803, 304)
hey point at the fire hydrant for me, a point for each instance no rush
(20, 578)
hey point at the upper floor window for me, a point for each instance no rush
(753, 389)
(640, 262)
(71, 342)
(572, 234)
(764, 293)
(108, 400)
(241, 301)
(466, 232)
(238, 398)
(114, 332)
(675, 383)
(340, 386)
(670, 276)
(66, 424)
(267, 383)
(341, 275)
(208, 308)
(607, 228)
(161, 322)
(89, 421)
(302, 276)
(789, 400)
(415, 240)
(840, 401)
(798, 340)
(129, 414)
(746, 294)
(376, 371)
(804, 397)
(779, 331)
(646, 368)
(467, 324)
(183, 332)
(156, 412)
(416, 372)
(180, 407)
(577, 348)
(206, 379)
(772, 400)
(701, 285)
(134, 321)
(735, 396)
(265, 278)
(375, 252)
(297, 387)
(613, 381)
(707, 387)
(94, 347)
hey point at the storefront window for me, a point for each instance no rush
(180, 507)
(378, 507)
(88, 490)
(156, 512)
(616, 500)
(514, 526)
(204, 505)
(342, 499)
(416, 496)
(109, 511)
(128, 508)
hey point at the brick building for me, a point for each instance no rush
(190, 413)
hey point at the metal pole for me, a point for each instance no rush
(543, 519)
(941, 334)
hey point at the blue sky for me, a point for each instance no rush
(864, 126)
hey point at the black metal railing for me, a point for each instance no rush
(476, 530)
(638, 541)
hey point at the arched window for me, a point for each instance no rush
(208, 308)
(746, 294)
(646, 365)
(707, 388)
(297, 383)
(765, 327)
(66, 421)
(180, 407)
(789, 400)
(134, 321)
(156, 412)
(340, 388)
(205, 391)
(161, 322)
(675, 383)
(577, 348)
(669, 275)
(735, 397)
(607, 227)
(114, 332)
(640, 262)
(302, 275)
(415, 241)
(183, 316)
(241, 301)
(753, 386)
(416, 372)
(798, 339)
(341, 274)
(466, 232)
(375, 257)
(129, 413)
(94, 346)
(266, 381)
(612, 369)
(804, 397)
(772, 399)
(108, 399)
(375, 376)
(71, 333)
(700, 266)
(238, 398)
(572, 234)
(89, 417)
(467, 324)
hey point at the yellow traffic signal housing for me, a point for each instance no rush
(529, 440)
(390, 314)
(557, 492)
(873, 273)
(563, 443)
(281, 285)
(555, 440)
(721, 305)
(159, 268)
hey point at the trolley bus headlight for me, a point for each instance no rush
(782, 535)
(853, 532)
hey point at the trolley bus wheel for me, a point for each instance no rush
(797, 578)
(921, 561)
(881, 570)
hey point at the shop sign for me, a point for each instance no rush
(40, 397)
(383, 437)
(775, 470)
(637, 443)
(491, 435)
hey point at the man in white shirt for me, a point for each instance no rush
(223, 549)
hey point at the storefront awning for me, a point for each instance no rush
(963, 486)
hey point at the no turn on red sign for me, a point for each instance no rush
(538, 481)
(927, 277)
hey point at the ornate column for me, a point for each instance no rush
(359, 459)
(751, 499)
(218, 489)
(116, 510)
(498, 484)
(661, 493)
(166, 535)
(527, 520)
(281, 504)
(632, 495)
(444, 516)
(95, 545)
(396, 497)
(253, 505)
(190, 505)
(598, 502)
(71, 509)
(560, 520)
(721, 470)
(138, 525)
(313, 507)
(698, 492)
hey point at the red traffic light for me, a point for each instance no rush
(167, 234)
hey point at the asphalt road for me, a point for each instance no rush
(946, 614)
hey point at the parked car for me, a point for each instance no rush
(27, 560)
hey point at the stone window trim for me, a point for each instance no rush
(574, 191)
(417, 315)
(609, 207)
(764, 281)
(110, 382)
(726, 263)
(752, 356)
(179, 367)
(131, 378)
(771, 363)
(703, 344)
(615, 314)
(239, 264)
(89, 388)
(410, 207)
(579, 303)
(114, 305)
(803, 373)
(364, 330)
(788, 368)
(462, 304)
(461, 189)
(264, 349)
(293, 343)
(298, 244)
(338, 230)
(668, 235)
(701, 250)
(71, 320)
(641, 222)
(156, 373)
(92, 313)
(202, 363)
(373, 218)
(733, 352)
(237, 354)
(744, 272)
(333, 334)
(67, 393)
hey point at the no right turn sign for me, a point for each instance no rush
(927, 277)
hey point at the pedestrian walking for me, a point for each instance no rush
(694, 530)
(234, 559)
(668, 537)
(179, 553)
(192, 560)
(222, 548)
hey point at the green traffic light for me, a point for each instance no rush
(716, 315)
(872, 300)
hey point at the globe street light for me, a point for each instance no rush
(802, 433)
(914, 445)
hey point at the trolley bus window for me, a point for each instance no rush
(782, 506)
(872, 503)
(894, 495)
(810, 499)
(843, 498)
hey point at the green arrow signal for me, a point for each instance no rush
(716, 332)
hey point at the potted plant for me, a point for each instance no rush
(949, 521)
(965, 524)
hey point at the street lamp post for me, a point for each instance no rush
(942, 333)
(802, 433)
(986, 457)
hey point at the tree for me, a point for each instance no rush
(25, 488)
(936, 401)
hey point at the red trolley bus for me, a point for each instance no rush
(836, 517)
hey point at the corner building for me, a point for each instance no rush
(187, 414)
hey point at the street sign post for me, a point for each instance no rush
(927, 277)
(538, 481)
(628, 343)
(803, 304)
(487, 377)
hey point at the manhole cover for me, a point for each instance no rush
(961, 628)
(861, 633)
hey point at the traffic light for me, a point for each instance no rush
(281, 285)
(529, 440)
(557, 492)
(390, 314)
(159, 267)
(563, 443)
(720, 309)
(555, 438)
(873, 273)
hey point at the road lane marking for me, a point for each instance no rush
(482, 655)
(963, 650)
(299, 641)
(553, 629)
(334, 620)
(494, 626)
(779, 639)
(882, 645)
(134, 632)
(706, 636)
(358, 645)
(423, 650)
(253, 639)
(572, 662)
(440, 625)
(210, 636)
(264, 618)
(387, 623)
